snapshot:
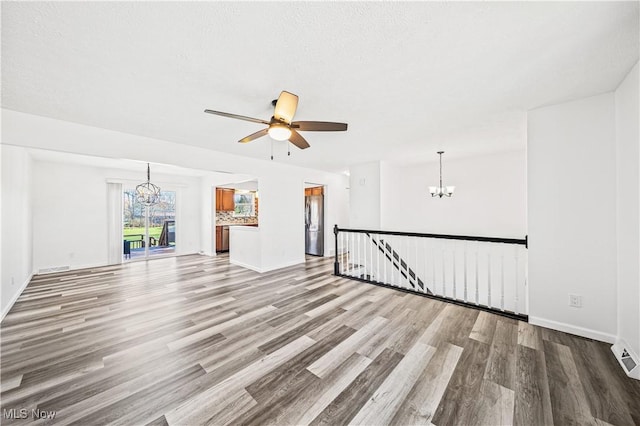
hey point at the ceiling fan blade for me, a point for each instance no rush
(255, 135)
(319, 126)
(297, 139)
(286, 107)
(239, 117)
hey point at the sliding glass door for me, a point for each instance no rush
(148, 231)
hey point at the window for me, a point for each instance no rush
(244, 204)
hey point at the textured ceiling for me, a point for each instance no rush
(409, 78)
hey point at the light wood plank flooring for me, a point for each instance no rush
(194, 340)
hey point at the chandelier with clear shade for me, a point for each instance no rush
(441, 191)
(148, 193)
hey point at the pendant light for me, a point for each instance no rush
(148, 193)
(440, 191)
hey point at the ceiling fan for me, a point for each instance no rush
(281, 127)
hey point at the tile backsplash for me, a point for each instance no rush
(226, 217)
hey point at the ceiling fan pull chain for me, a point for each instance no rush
(272, 149)
(288, 149)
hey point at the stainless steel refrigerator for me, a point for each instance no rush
(314, 224)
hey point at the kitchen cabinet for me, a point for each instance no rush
(313, 191)
(222, 238)
(224, 199)
(218, 238)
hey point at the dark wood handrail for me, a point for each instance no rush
(523, 241)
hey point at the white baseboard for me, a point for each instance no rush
(572, 329)
(284, 265)
(617, 349)
(44, 271)
(263, 270)
(246, 265)
(15, 297)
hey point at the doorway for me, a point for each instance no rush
(148, 231)
(314, 219)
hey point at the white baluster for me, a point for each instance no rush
(515, 257)
(406, 262)
(341, 253)
(396, 270)
(377, 237)
(349, 253)
(359, 252)
(453, 255)
(353, 254)
(465, 271)
(384, 259)
(415, 264)
(489, 304)
(425, 243)
(444, 288)
(477, 278)
(501, 281)
(433, 264)
(370, 258)
(526, 281)
(345, 254)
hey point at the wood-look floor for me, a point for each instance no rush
(194, 340)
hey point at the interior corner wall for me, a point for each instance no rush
(572, 216)
(17, 244)
(364, 196)
(336, 203)
(628, 209)
(207, 227)
(490, 197)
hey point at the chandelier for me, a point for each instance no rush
(441, 191)
(148, 193)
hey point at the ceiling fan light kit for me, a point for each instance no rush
(281, 127)
(441, 191)
(279, 132)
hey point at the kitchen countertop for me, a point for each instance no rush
(236, 224)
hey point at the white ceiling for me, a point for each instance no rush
(409, 78)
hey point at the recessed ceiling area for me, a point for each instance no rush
(408, 78)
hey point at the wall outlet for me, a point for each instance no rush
(575, 300)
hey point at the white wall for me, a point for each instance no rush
(364, 196)
(207, 217)
(281, 221)
(246, 247)
(628, 210)
(336, 210)
(490, 197)
(572, 216)
(70, 212)
(17, 242)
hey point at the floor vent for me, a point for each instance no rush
(53, 269)
(627, 359)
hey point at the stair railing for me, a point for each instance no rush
(483, 272)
